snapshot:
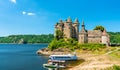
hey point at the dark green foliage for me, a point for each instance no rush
(27, 38)
(115, 67)
(99, 28)
(59, 34)
(72, 44)
(53, 44)
(114, 37)
(65, 43)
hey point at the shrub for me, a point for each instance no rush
(91, 47)
(72, 44)
(114, 67)
(66, 43)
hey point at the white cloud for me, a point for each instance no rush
(28, 13)
(31, 14)
(13, 1)
(23, 12)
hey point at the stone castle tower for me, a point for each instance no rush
(71, 30)
(83, 35)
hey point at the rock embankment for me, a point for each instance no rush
(46, 51)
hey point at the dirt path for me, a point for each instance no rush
(113, 51)
(95, 62)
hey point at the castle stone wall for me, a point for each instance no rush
(71, 30)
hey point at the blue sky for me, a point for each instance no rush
(40, 16)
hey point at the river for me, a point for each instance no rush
(21, 57)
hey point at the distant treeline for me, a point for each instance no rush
(23, 39)
(46, 38)
(114, 37)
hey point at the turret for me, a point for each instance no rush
(69, 20)
(76, 29)
(83, 26)
(60, 21)
(59, 26)
(76, 21)
(83, 36)
(105, 38)
(68, 28)
(83, 30)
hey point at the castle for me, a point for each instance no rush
(71, 30)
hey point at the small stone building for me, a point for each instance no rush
(71, 30)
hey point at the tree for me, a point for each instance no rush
(59, 34)
(99, 28)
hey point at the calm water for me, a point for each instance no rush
(21, 57)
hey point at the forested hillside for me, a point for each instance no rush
(27, 39)
(114, 38)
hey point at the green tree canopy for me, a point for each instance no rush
(99, 28)
(59, 34)
(27, 38)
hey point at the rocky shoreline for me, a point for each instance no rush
(46, 51)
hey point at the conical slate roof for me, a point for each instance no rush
(83, 30)
(60, 21)
(76, 20)
(69, 19)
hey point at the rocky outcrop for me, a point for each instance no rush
(46, 51)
